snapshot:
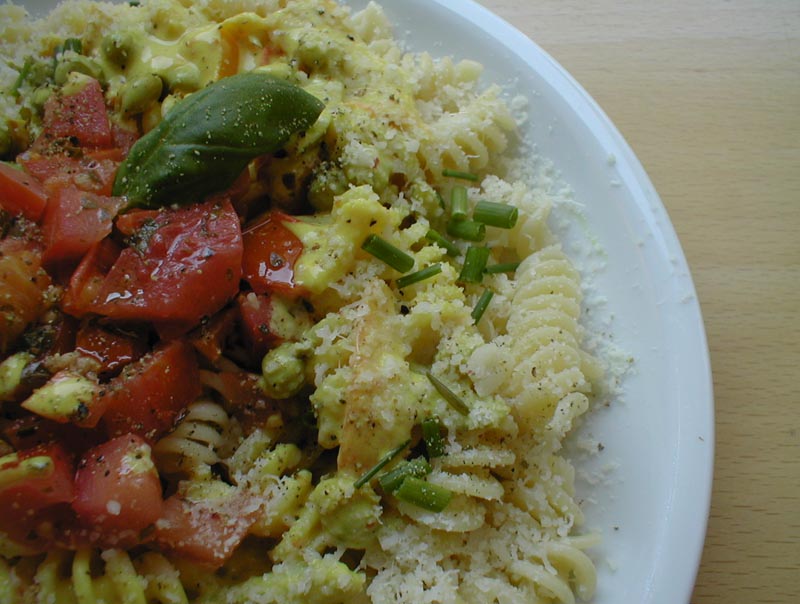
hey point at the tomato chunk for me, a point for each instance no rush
(75, 220)
(270, 252)
(256, 312)
(147, 397)
(206, 531)
(93, 171)
(87, 280)
(117, 489)
(182, 265)
(112, 349)
(80, 116)
(21, 193)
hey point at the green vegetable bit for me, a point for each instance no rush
(423, 494)
(420, 275)
(434, 237)
(495, 214)
(417, 467)
(386, 252)
(205, 141)
(481, 305)
(369, 474)
(474, 264)
(458, 203)
(460, 174)
(466, 229)
(504, 267)
(432, 436)
(447, 394)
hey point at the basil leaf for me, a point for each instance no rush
(205, 142)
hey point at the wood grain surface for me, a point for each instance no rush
(707, 93)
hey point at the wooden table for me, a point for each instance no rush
(707, 92)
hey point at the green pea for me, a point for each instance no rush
(76, 63)
(118, 48)
(138, 94)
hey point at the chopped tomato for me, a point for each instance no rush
(181, 266)
(209, 339)
(255, 312)
(33, 482)
(112, 349)
(117, 489)
(93, 171)
(206, 531)
(21, 193)
(75, 220)
(270, 253)
(147, 397)
(22, 286)
(30, 430)
(123, 138)
(251, 406)
(131, 222)
(80, 117)
(88, 279)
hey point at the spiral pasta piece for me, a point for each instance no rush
(194, 445)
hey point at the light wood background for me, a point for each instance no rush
(707, 93)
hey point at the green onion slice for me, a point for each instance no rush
(495, 214)
(481, 305)
(432, 436)
(447, 394)
(449, 247)
(504, 267)
(386, 252)
(459, 207)
(367, 476)
(459, 174)
(466, 229)
(417, 467)
(474, 264)
(420, 275)
(423, 494)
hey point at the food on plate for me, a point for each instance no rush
(281, 317)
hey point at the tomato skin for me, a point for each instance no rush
(183, 265)
(270, 253)
(75, 220)
(94, 171)
(87, 280)
(25, 506)
(209, 339)
(117, 489)
(255, 312)
(205, 532)
(147, 397)
(21, 193)
(80, 117)
(112, 349)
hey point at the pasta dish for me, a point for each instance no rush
(281, 317)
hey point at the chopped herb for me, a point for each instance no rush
(420, 275)
(474, 264)
(386, 252)
(417, 467)
(460, 174)
(458, 203)
(449, 247)
(447, 394)
(506, 267)
(481, 305)
(432, 436)
(423, 494)
(495, 214)
(466, 229)
(380, 465)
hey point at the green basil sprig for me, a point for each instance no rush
(205, 142)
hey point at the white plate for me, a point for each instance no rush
(653, 506)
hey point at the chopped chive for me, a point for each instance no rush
(440, 198)
(451, 397)
(460, 174)
(505, 267)
(417, 467)
(386, 252)
(379, 466)
(466, 229)
(23, 75)
(449, 247)
(73, 44)
(495, 214)
(481, 305)
(458, 203)
(420, 275)
(423, 494)
(432, 435)
(474, 264)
